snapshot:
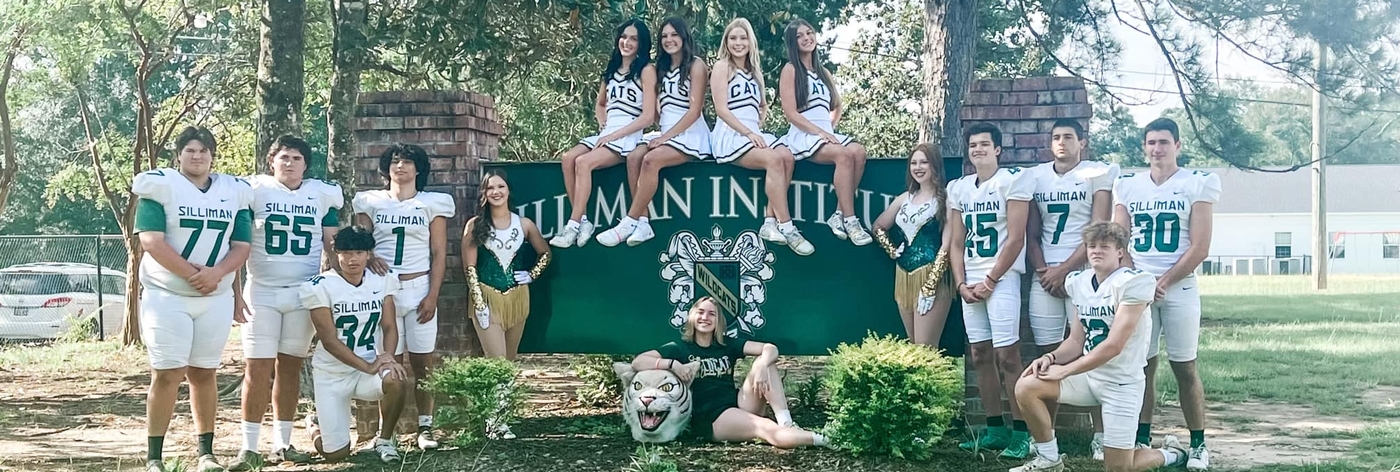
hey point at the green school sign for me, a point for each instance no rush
(625, 300)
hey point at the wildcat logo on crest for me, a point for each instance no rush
(733, 271)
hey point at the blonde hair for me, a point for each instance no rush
(1106, 231)
(752, 64)
(688, 333)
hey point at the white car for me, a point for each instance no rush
(41, 300)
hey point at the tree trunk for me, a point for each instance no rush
(281, 73)
(950, 40)
(131, 329)
(348, 51)
(7, 132)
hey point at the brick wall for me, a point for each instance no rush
(458, 129)
(1024, 110)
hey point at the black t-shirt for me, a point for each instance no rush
(715, 380)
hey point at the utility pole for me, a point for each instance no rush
(1319, 175)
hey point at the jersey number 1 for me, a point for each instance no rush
(398, 245)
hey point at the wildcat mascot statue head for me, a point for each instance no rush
(655, 403)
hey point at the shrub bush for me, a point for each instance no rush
(475, 390)
(889, 396)
(601, 387)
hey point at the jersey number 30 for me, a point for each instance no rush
(1162, 232)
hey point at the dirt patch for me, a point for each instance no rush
(1251, 434)
(1382, 397)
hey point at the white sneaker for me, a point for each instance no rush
(838, 227)
(499, 432)
(388, 452)
(769, 232)
(1097, 447)
(858, 235)
(426, 439)
(585, 232)
(641, 233)
(1171, 442)
(799, 244)
(1041, 464)
(1198, 459)
(616, 234)
(565, 238)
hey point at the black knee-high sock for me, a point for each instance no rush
(996, 422)
(1019, 425)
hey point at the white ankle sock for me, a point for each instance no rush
(571, 224)
(643, 220)
(627, 222)
(770, 220)
(425, 420)
(1049, 451)
(583, 220)
(818, 440)
(850, 220)
(784, 416)
(1168, 455)
(282, 434)
(250, 435)
(787, 227)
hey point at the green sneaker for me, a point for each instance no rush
(994, 439)
(1020, 447)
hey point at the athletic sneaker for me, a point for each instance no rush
(585, 232)
(857, 234)
(388, 452)
(155, 466)
(426, 438)
(498, 431)
(1041, 464)
(616, 234)
(641, 234)
(207, 463)
(1171, 442)
(838, 227)
(1097, 446)
(1020, 447)
(995, 439)
(566, 237)
(246, 461)
(289, 454)
(1198, 459)
(769, 232)
(798, 243)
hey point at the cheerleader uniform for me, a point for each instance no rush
(675, 103)
(922, 236)
(624, 105)
(818, 111)
(743, 100)
(508, 301)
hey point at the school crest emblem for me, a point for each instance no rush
(732, 270)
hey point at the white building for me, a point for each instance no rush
(1263, 222)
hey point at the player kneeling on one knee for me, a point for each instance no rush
(353, 312)
(1100, 364)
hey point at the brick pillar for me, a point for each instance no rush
(458, 129)
(1024, 110)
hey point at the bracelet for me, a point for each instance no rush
(1052, 357)
(656, 365)
(672, 365)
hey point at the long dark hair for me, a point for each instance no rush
(935, 166)
(688, 51)
(481, 226)
(795, 58)
(634, 72)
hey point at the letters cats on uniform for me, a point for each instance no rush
(655, 403)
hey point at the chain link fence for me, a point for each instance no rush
(62, 287)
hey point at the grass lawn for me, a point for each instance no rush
(1265, 340)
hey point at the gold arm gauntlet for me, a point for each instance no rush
(884, 238)
(935, 276)
(540, 265)
(474, 284)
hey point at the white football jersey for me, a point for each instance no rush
(1096, 307)
(356, 312)
(983, 210)
(401, 227)
(1159, 216)
(287, 227)
(199, 225)
(1066, 204)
